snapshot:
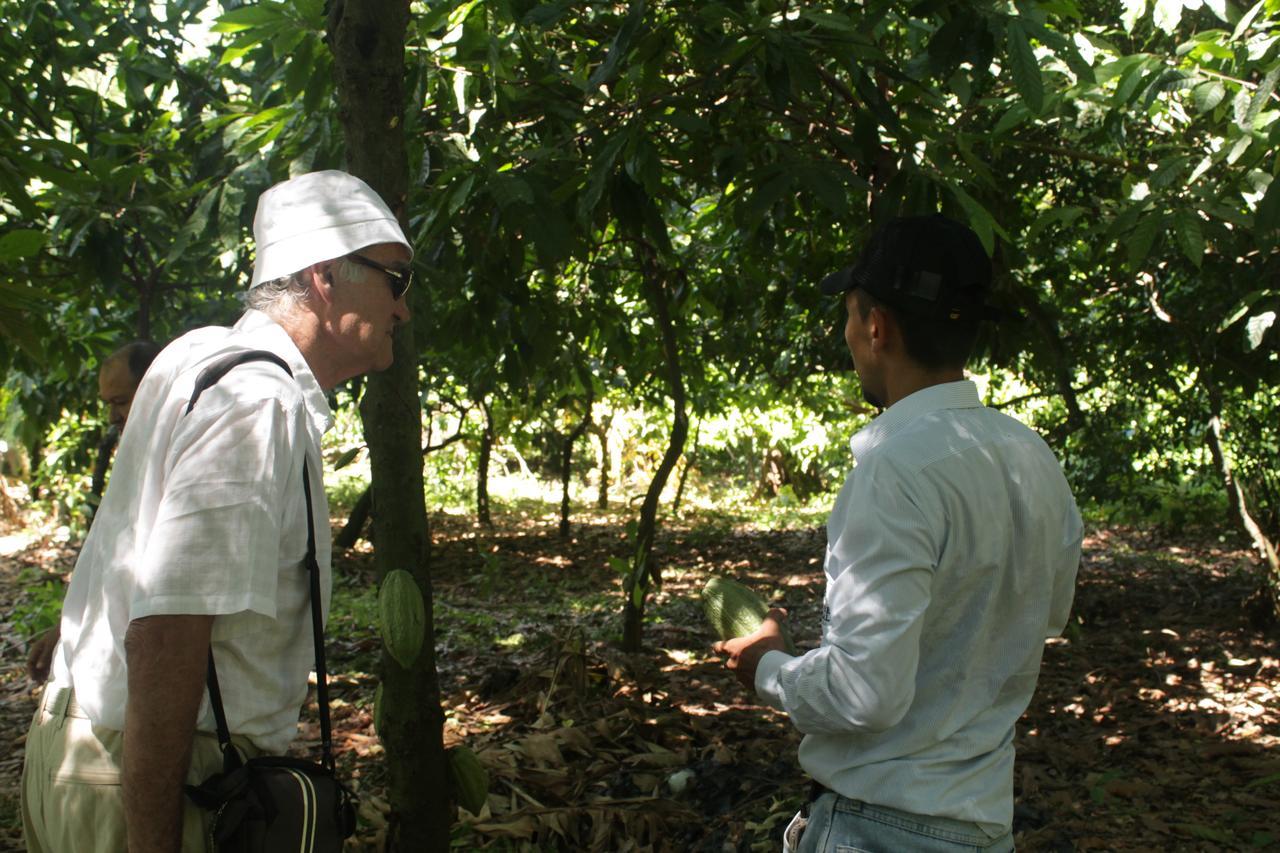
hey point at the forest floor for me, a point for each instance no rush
(1156, 725)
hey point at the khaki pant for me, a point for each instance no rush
(71, 794)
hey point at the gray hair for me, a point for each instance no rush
(280, 297)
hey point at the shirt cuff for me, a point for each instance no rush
(769, 678)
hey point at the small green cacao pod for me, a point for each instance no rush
(735, 611)
(403, 616)
(377, 711)
(470, 779)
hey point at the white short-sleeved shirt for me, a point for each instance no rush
(205, 514)
(952, 552)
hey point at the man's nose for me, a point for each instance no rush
(400, 309)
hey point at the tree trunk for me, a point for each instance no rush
(1063, 368)
(684, 472)
(566, 467)
(350, 533)
(482, 468)
(602, 433)
(643, 569)
(367, 38)
(1237, 497)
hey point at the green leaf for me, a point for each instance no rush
(1262, 95)
(1133, 12)
(642, 163)
(17, 326)
(20, 297)
(1026, 69)
(300, 67)
(1221, 9)
(1070, 54)
(21, 243)
(1266, 218)
(1052, 216)
(601, 168)
(236, 51)
(1190, 235)
(508, 189)
(837, 24)
(1257, 327)
(1142, 238)
(1247, 21)
(979, 219)
(1167, 14)
(1168, 170)
(249, 17)
(1129, 85)
(655, 225)
(620, 46)
(545, 15)
(348, 456)
(1205, 164)
(551, 231)
(1238, 148)
(1208, 95)
(1170, 80)
(459, 194)
(1240, 105)
(194, 226)
(1016, 115)
(763, 198)
(1242, 308)
(827, 188)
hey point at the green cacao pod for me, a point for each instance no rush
(735, 611)
(470, 779)
(403, 616)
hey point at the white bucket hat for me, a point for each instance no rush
(317, 217)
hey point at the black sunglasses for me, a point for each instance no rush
(398, 280)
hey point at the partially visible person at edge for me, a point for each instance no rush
(118, 379)
(951, 556)
(201, 537)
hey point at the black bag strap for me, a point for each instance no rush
(230, 757)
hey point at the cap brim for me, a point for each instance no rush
(838, 282)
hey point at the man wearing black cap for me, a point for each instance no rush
(951, 555)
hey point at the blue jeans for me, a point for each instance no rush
(839, 825)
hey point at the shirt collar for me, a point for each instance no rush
(272, 336)
(948, 395)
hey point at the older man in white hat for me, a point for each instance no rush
(200, 538)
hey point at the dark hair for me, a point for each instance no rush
(933, 342)
(140, 354)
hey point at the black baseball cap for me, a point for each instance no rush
(928, 266)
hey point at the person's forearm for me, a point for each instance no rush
(40, 655)
(166, 658)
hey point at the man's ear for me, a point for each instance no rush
(320, 279)
(878, 321)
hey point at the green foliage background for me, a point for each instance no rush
(1119, 163)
